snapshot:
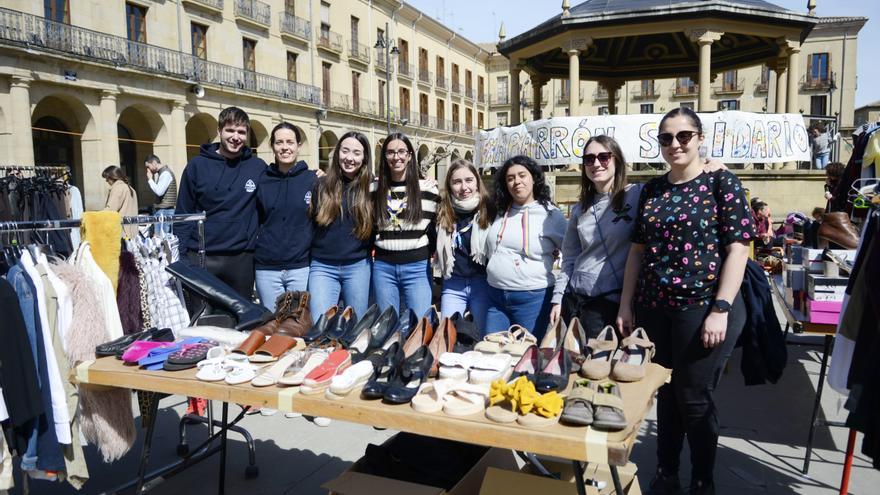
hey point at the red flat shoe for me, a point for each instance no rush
(319, 378)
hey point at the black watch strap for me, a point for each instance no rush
(721, 305)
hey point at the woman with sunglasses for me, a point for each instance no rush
(597, 241)
(405, 212)
(523, 242)
(342, 212)
(465, 214)
(682, 279)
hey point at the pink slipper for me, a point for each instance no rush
(139, 350)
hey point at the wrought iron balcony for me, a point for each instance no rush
(358, 52)
(294, 26)
(347, 103)
(731, 87)
(817, 83)
(562, 97)
(762, 86)
(442, 83)
(456, 127)
(380, 60)
(215, 5)
(501, 99)
(22, 30)
(481, 98)
(456, 88)
(690, 89)
(426, 76)
(645, 91)
(469, 93)
(254, 11)
(328, 40)
(405, 70)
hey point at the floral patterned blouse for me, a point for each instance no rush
(685, 228)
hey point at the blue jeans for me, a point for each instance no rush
(327, 281)
(273, 283)
(820, 161)
(406, 282)
(529, 308)
(462, 293)
(167, 227)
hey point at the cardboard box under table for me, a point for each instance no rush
(559, 440)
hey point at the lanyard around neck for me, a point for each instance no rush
(525, 230)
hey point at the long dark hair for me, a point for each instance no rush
(115, 173)
(413, 211)
(330, 188)
(540, 190)
(618, 188)
(446, 217)
(288, 126)
(686, 112)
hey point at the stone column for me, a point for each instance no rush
(574, 83)
(794, 51)
(22, 142)
(537, 86)
(514, 93)
(781, 84)
(177, 160)
(108, 135)
(704, 38)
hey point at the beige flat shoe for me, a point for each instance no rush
(598, 354)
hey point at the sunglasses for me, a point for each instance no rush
(604, 158)
(683, 137)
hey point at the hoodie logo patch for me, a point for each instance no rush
(249, 186)
(308, 198)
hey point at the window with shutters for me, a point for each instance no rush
(291, 66)
(818, 75)
(382, 97)
(136, 22)
(199, 37)
(249, 54)
(325, 20)
(290, 7)
(355, 91)
(57, 10)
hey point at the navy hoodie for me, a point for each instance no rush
(336, 242)
(285, 226)
(226, 190)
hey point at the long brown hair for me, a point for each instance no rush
(115, 173)
(588, 188)
(413, 211)
(446, 218)
(330, 189)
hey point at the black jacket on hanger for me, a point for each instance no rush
(18, 375)
(764, 354)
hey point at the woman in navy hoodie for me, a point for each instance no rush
(284, 194)
(343, 216)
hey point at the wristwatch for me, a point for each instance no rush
(721, 306)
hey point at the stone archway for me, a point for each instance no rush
(442, 165)
(325, 148)
(469, 156)
(258, 141)
(140, 128)
(421, 154)
(305, 151)
(201, 128)
(59, 124)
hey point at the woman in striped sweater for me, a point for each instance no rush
(406, 208)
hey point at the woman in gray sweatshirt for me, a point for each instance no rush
(523, 242)
(597, 239)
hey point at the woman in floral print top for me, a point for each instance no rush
(683, 273)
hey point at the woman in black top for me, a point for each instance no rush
(682, 279)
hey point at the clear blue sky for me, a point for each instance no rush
(479, 21)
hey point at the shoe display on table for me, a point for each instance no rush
(117, 347)
(381, 330)
(339, 325)
(188, 356)
(320, 327)
(385, 364)
(319, 378)
(598, 354)
(578, 409)
(836, 227)
(608, 407)
(467, 333)
(354, 377)
(273, 373)
(562, 336)
(420, 336)
(406, 323)
(529, 364)
(442, 341)
(295, 374)
(519, 401)
(555, 373)
(637, 350)
(409, 376)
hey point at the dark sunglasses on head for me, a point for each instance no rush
(604, 158)
(683, 137)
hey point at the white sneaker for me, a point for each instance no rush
(319, 421)
(291, 415)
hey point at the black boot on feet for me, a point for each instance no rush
(664, 483)
(702, 487)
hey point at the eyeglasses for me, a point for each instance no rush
(683, 137)
(604, 158)
(392, 153)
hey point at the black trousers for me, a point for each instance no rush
(235, 270)
(685, 406)
(594, 313)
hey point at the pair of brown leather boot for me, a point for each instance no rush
(837, 228)
(292, 320)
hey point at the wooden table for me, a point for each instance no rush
(575, 443)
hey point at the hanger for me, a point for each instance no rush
(863, 193)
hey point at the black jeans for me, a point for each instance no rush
(685, 406)
(594, 313)
(236, 270)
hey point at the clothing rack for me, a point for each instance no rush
(46, 225)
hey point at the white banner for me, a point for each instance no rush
(731, 137)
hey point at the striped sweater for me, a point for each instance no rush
(407, 242)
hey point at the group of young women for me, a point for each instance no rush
(668, 256)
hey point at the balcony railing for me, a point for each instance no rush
(359, 52)
(469, 128)
(426, 76)
(731, 87)
(762, 86)
(442, 83)
(456, 127)
(37, 33)
(406, 70)
(346, 103)
(481, 98)
(500, 99)
(295, 26)
(562, 97)
(328, 40)
(456, 88)
(211, 4)
(469, 93)
(254, 11)
(685, 89)
(645, 91)
(809, 83)
(380, 60)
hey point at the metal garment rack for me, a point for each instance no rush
(145, 481)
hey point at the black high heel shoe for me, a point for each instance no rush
(411, 373)
(326, 320)
(341, 325)
(555, 374)
(382, 329)
(385, 364)
(407, 322)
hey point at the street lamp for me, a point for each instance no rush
(390, 49)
